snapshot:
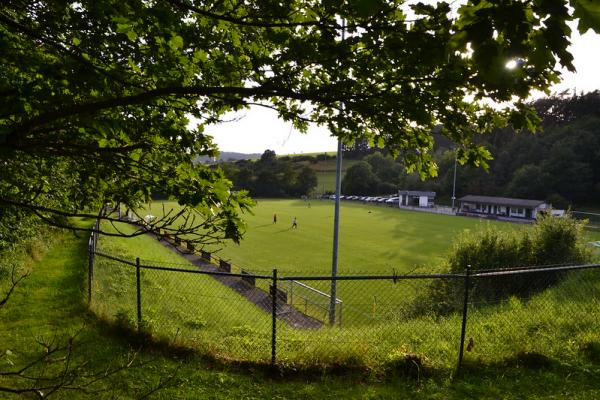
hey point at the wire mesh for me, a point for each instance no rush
(114, 290)
(533, 315)
(221, 315)
(221, 308)
(376, 321)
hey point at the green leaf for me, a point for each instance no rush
(200, 55)
(176, 42)
(131, 35)
(124, 28)
(588, 12)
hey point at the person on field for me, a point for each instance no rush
(295, 223)
(274, 218)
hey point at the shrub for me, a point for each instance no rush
(551, 241)
(16, 227)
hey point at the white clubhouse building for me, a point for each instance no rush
(501, 207)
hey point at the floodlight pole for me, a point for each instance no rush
(336, 233)
(454, 182)
(336, 218)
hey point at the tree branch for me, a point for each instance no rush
(140, 98)
(55, 370)
(168, 225)
(14, 283)
(246, 22)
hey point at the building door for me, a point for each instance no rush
(528, 213)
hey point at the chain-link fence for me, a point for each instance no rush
(592, 218)
(550, 313)
(436, 320)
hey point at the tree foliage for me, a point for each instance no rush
(560, 164)
(359, 179)
(271, 176)
(97, 95)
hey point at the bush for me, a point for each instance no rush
(16, 227)
(551, 241)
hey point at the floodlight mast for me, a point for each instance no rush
(336, 218)
(454, 182)
(336, 232)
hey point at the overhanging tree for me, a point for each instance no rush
(96, 96)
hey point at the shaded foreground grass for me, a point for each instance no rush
(50, 302)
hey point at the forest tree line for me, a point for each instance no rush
(271, 176)
(560, 164)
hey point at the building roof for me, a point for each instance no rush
(416, 193)
(502, 201)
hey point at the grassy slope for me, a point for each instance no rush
(325, 182)
(325, 171)
(206, 315)
(178, 305)
(50, 301)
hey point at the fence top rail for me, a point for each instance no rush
(212, 273)
(371, 277)
(193, 271)
(394, 278)
(312, 289)
(585, 213)
(521, 268)
(535, 270)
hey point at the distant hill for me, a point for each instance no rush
(228, 156)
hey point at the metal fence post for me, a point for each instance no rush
(97, 228)
(139, 293)
(274, 319)
(90, 268)
(464, 316)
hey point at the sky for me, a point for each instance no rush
(258, 129)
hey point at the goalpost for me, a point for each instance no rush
(311, 301)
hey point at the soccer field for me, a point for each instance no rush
(373, 238)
